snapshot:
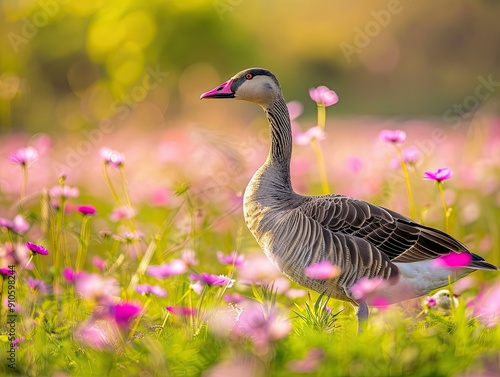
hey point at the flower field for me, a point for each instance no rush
(127, 254)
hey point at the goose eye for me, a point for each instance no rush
(248, 76)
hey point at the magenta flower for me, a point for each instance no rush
(6, 271)
(36, 249)
(452, 260)
(70, 275)
(182, 310)
(313, 133)
(441, 174)
(24, 156)
(430, 301)
(165, 270)
(238, 260)
(235, 298)
(322, 270)
(20, 225)
(151, 289)
(96, 287)
(124, 312)
(111, 157)
(411, 155)
(87, 210)
(392, 136)
(5, 223)
(216, 280)
(323, 95)
(37, 285)
(99, 263)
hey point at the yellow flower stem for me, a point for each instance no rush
(321, 116)
(24, 182)
(447, 211)
(109, 183)
(136, 323)
(163, 324)
(406, 176)
(318, 153)
(83, 244)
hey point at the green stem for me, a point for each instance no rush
(409, 191)
(447, 211)
(83, 243)
(318, 153)
(163, 324)
(109, 183)
(136, 324)
(321, 116)
(24, 182)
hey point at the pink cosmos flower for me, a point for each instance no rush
(188, 256)
(20, 225)
(430, 301)
(37, 285)
(96, 287)
(124, 312)
(323, 95)
(24, 156)
(122, 213)
(6, 271)
(322, 270)
(5, 223)
(441, 174)
(235, 298)
(98, 333)
(70, 275)
(313, 133)
(452, 260)
(36, 249)
(182, 310)
(216, 280)
(65, 192)
(392, 136)
(165, 270)
(87, 210)
(111, 157)
(365, 287)
(486, 306)
(411, 155)
(99, 263)
(238, 260)
(151, 289)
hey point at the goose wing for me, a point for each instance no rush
(396, 236)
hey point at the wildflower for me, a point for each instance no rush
(111, 157)
(442, 301)
(366, 286)
(124, 312)
(87, 210)
(234, 298)
(37, 285)
(181, 310)
(122, 213)
(20, 225)
(392, 136)
(96, 287)
(5, 223)
(165, 270)
(234, 259)
(452, 260)
(486, 306)
(430, 301)
(323, 95)
(64, 191)
(411, 155)
(188, 256)
(313, 133)
(70, 275)
(441, 174)
(6, 271)
(99, 263)
(98, 333)
(322, 270)
(24, 156)
(151, 289)
(216, 280)
(36, 249)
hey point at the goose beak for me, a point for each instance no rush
(220, 91)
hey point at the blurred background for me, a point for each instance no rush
(67, 65)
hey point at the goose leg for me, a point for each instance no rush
(362, 316)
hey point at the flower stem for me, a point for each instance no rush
(321, 116)
(318, 153)
(83, 244)
(447, 211)
(24, 182)
(109, 183)
(409, 191)
(136, 324)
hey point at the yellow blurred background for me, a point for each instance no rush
(70, 65)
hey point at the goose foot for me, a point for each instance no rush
(362, 316)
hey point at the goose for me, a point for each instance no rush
(363, 240)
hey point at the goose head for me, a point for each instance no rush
(254, 84)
